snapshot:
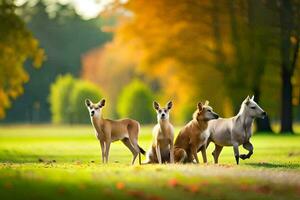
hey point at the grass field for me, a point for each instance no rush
(47, 162)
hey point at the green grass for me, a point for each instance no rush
(47, 162)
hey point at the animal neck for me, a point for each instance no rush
(98, 121)
(245, 119)
(200, 124)
(163, 124)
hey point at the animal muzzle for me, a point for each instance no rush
(216, 116)
(92, 113)
(263, 115)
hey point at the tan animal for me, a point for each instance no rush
(162, 149)
(107, 131)
(194, 136)
(235, 131)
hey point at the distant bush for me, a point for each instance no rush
(136, 102)
(67, 96)
(80, 92)
(186, 113)
(60, 98)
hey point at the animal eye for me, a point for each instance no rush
(253, 107)
(159, 111)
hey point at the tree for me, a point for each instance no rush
(217, 46)
(136, 102)
(65, 37)
(59, 98)
(81, 91)
(17, 45)
(289, 48)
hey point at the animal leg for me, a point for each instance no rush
(137, 150)
(248, 146)
(207, 143)
(158, 154)
(216, 153)
(102, 149)
(203, 151)
(236, 152)
(128, 144)
(107, 146)
(180, 155)
(171, 152)
(194, 153)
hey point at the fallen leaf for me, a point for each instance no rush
(244, 187)
(265, 189)
(153, 197)
(61, 190)
(192, 188)
(8, 185)
(173, 182)
(136, 193)
(120, 185)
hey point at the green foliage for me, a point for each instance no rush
(65, 38)
(136, 102)
(80, 92)
(17, 45)
(60, 99)
(67, 97)
(187, 112)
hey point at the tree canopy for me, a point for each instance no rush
(17, 45)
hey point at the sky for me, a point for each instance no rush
(86, 8)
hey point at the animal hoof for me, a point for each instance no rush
(243, 156)
(237, 159)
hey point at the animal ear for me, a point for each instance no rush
(155, 105)
(102, 102)
(169, 105)
(252, 98)
(247, 100)
(88, 102)
(200, 106)
(206, 103)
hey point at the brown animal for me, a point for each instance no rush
(162, 149)
(194, 136)
(108, 131)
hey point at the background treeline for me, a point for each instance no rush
(183, 51)
(64, 36)
(216, 50)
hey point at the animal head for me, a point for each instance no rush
(162, 113)
(204, 112)
(95, 109)
(253, 109)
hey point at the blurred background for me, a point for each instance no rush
(56, 53)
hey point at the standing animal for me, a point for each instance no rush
(193, 136)
(107, 131)
(235, 131)
(162, 149)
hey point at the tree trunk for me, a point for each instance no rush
(286, 102)
(286, 28)
(263, 125)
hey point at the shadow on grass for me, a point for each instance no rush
(32, 158)
(274, 165)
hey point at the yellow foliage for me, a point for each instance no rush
(16, 46)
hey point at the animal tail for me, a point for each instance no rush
(142, 150)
